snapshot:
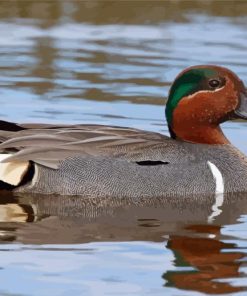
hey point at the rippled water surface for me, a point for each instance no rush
(112, 63)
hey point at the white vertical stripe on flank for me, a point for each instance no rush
(219, 191)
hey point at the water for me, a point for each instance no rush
(112, 63)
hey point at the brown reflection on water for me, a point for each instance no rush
(208, 259)
(105, 11)
(202, 254)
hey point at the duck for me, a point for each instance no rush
(121, 162)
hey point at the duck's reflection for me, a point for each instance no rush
(12, 210)
(208, 261)
(204, 259)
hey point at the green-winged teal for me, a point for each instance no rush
(96, 160)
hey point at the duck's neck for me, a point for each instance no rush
(210, 134)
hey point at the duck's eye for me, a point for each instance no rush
(214, 83)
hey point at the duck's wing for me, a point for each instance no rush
(49, 144)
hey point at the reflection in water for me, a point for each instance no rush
(207, 260)
(202, 256)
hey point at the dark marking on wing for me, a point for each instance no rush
(151, 162)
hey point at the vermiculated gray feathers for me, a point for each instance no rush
(95, 160)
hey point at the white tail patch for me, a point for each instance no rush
(219, 191)
(12, 172)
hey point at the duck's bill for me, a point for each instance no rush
(241, 111)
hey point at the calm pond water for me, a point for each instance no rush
(112, 63)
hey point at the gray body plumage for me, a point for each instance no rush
(93, 160)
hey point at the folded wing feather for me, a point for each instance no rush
(49, 145)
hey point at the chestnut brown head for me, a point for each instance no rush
(201, 98)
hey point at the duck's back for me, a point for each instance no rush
(97, 160)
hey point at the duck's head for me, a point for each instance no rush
(201, 98)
